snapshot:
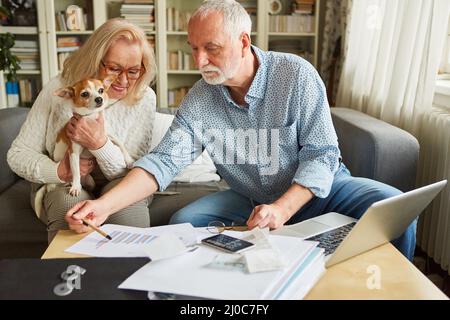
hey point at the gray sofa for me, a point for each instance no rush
(370, 148)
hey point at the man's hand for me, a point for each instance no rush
(272, 216)
(86, 167)
(93, 210)
(87, 132)
(281, 211)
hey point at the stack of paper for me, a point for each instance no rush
(190, 275)
(278, 267)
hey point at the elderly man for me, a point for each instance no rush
(265, 121)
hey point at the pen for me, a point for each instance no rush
(88, 224)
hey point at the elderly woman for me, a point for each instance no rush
(117, 48)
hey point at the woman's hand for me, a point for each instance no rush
(92, 210)
(86, 167)
(88, 133)
(272, 216)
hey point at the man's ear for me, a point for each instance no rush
(108, 81)
(66, 93)
(246, 43)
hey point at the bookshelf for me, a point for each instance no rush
(63, 38)
(31, 48)
(293, 28)
(169, 36)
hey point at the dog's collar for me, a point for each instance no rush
(109, 106)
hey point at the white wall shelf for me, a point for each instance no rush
(25, 72)
(68, 33)
(291, 34)
(19, 30)
(177, 33)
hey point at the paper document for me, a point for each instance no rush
(130, 241)
(191, 274)
(164, 247)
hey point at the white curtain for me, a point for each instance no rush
(337, 16)
(392, 59)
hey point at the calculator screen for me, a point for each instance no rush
(227, 243)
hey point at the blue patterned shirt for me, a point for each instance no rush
(284, 134)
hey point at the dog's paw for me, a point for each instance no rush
(75, 190)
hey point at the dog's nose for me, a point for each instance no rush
(99, 101)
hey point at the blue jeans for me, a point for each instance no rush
(349, 195)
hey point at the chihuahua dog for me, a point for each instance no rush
(87, 98)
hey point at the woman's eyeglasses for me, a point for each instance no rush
(131, 73)
(216, 227)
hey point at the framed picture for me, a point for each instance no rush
(23, 12)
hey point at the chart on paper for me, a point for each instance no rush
(128, 241)
(130, 238)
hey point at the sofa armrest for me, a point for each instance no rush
(374, 149)
(11, 121)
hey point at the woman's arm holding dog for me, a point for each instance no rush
(28, 156)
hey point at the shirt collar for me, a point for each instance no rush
(258, 86)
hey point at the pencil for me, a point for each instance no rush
(89, 224)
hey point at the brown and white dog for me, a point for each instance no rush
(87, 98)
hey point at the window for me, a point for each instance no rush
(442, 92)
(444, 69)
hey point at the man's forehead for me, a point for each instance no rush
(206, 39)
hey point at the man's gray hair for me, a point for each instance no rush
(235, 19)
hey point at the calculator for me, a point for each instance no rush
(227, 243)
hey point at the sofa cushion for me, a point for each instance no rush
(374, 149)
(10, 123)
(18, 222)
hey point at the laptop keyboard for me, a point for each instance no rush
(330, 240)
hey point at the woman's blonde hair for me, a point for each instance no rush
(86, 62)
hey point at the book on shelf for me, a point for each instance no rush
(176, 96)
(78, 20)
(12, 94)
(303, 7)
(28, 91)
(67, 49)
(177, 20)
(292, 23)
(179, 60)
(142, 14)
(28, 54)
(26, 44)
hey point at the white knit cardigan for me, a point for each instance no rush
(31, 154)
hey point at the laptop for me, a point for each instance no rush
(343, 237)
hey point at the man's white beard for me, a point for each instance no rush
(222, 75)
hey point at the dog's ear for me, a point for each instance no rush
(108, 81)
(66, 93)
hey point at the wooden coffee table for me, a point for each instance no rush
(351, 279)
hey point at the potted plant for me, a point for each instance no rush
(8, 61)
(4, 15)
